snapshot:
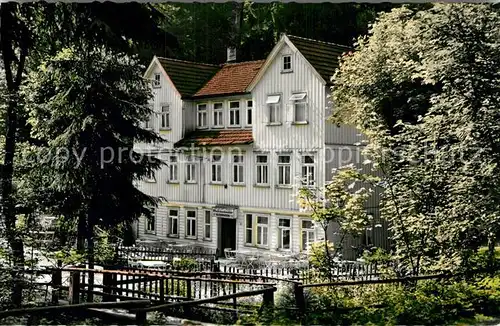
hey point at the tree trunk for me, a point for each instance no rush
(7, 24)
(491, 254)
(90, 252)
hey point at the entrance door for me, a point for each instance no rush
(227, 234)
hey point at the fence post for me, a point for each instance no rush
(56, 284)
(162, 290)
(140, 317)
(300, 300)
(268, 298)
(107, 282)
(235, 303)
(74, 288)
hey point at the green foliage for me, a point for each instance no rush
(185, 263)
(425, 96)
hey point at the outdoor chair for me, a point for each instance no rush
(229, 253)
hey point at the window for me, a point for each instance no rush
(284, 233)
(157, 81)
(249, 112)
(299, 107)
(287, 63)
(234, 113)
(173, 169)
(262, 230)
(262, 169)
(284, 170)
(249, 229)
(191, 170)
(149, 123)
(150, 177)
(173, 222)
(150, 224)
(307, 233)
(308, 170)
(273, 106)
(202, 115)
(207, 228)
(216, 168)
(165, 117)
(218, 114)
(238, 168)
(191, 224)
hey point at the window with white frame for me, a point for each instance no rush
(191, 223)
(287, 63)
(307, 233)
(262, 166)
(234, 113)
(173, 222)
(249, 112)
(150, 176)
(202, 115)
(284, 170)
(274, 108)
(308, 170)
(173, 169)
(149, 123)
(262, 230)
(191, 170)
(299, 101)
(249, 229)
(157, 80)
(216, 168)
(218, 115)
(237, 168)
(165, 117)
(207, 227)
(151, 224)
(284, 233)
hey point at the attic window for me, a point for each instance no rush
(287, 63)
(156, 81)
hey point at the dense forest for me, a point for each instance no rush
(202, 32)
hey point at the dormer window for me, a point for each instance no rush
(157, 81)
(202, 115)
(286, 63)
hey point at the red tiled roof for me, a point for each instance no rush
(216, 137)
(232, 78)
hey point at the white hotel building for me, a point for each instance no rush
(237, 136)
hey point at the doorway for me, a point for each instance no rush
(227, 234)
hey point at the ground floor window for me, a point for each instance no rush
(150, 224)
(191, 223)
(173, 222)
(257, 230)
(208, 225)
(308, 236)
(284, 233)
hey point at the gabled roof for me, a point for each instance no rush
(188, 77)
(216, 137)
(233, 78)
(323, 56)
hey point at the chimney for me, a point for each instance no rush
(231, 54)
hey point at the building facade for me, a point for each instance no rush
(239, 139)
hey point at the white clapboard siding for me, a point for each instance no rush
(286, 136)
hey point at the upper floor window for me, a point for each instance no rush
(273, 106)
(202, 115)
(262, 169)
(216, 168)
(173, 169)
(284, 170)
(165, 117)
(299, 102)
(287, 63)
(149, 123)
(234, 113)
(249, 112)
(308, 177)
(237, 168)
(157, 80)
(218, 115)
(191, 170)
